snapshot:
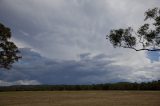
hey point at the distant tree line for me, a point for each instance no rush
(154, 85)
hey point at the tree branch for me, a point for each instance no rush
(141, 49)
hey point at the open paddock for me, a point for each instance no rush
(80, 98)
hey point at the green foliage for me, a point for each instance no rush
(8, 50)
(122, 37)
(147, 36)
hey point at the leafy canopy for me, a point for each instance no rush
(8, 50)
(147, 37)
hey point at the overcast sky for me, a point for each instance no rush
(63, 42)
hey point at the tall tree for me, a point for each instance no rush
(147, 37)
(9, 52)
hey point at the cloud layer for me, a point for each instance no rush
(36, 69)
(63, 29)
(63, 41)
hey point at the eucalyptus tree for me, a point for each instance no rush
(9, 52)
(147, 37)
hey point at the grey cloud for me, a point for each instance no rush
(19, 82)
(94, 69)
(73, 25)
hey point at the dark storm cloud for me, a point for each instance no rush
(35, 69)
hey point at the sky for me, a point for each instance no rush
(64, 42)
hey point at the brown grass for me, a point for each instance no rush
(80, 98)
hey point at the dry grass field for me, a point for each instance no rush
(80, 98)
